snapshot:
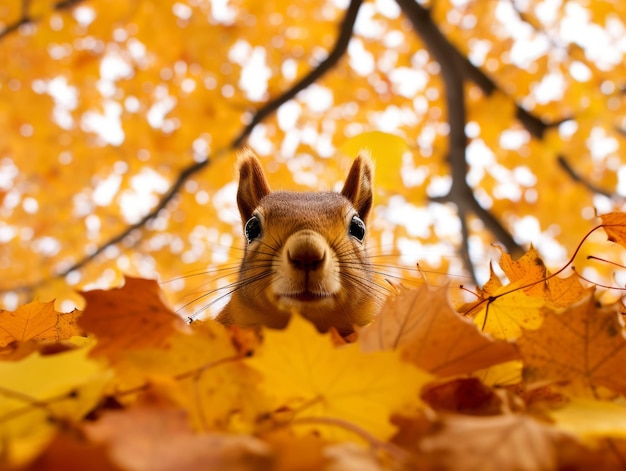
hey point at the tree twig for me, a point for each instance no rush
(346, 29)
(453, 70)
(26, 18)
(575, 176)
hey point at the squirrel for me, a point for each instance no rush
(305, 252)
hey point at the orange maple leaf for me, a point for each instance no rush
(131, 317)
(429, 333)
(564, 292)
(529, 271)
(614, 224)
(583, 346)
(38, 321)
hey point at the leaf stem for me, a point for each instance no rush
(394, 451)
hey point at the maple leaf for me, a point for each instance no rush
(306, 375)
(502, 442)
(157, 437)
(584, 346)
(529, 272)
(591, 419)
(38, 321)
(563, 292)
(422, 326)
(198, 370)
(502, 374)
(133, 316)
(40, 392)
(510, 312)
(614, 224)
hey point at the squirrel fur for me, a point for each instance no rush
(305, 252)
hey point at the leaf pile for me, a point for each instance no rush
(528, 376)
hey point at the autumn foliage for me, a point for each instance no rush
(529, 375)
(494, 125)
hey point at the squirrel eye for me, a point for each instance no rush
(252, 229)
(357, 228)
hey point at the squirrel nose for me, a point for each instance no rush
(306, 253)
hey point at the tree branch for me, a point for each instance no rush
(454, 68)
(345, 30)
(25, 17)
(575, 176)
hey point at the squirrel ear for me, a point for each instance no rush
(358, 185)
(253, 185)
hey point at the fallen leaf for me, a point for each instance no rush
(307, 377)
(158, 438)
(422, 326)
(502, 442)
(591, 419)
(583, 346)
(38, 321)
(502, 374)
(40, 393)
(131, 317)
(510, 313)
(204, 375)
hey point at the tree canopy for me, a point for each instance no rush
(122, 121)
(497, 129)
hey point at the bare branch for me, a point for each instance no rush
(575, 176)
(345, 32)
(25, 17)
(454, 68)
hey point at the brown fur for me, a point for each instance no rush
(305, 260)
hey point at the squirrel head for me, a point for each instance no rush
(305, 252)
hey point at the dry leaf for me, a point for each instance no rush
(614, 224)
(428, 332)
(309, 377)
(583, 346)
(149, 438)
(38, 321)
(132, 317)
(505, 442)
(510, 313)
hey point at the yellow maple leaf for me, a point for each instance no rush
(199, 371)
(307, 376)
(378, 143)
(504, 374)
(39, 393)
(591, 419)
(510, 312)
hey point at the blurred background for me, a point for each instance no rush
(491, 122)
